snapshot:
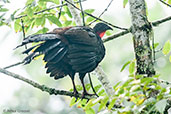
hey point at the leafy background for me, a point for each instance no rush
(18, 95)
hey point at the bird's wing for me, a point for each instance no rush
(81, 35)
(83, 59)
(83, 49)
(53, 47)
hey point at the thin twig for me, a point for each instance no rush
(42, 11)
(102, 12)
(60, 10)
(51, 91)
(165, 3)
(116, 35)
(13, 65)
(97, 17)
(82, 13)
(156, 23)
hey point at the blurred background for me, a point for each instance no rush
(16, 94)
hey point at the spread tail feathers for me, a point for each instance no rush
(39, 38)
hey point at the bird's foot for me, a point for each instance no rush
(75, 92)
(86, 94)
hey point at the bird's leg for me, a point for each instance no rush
(84, 89)
(91, 84)
(75, 92)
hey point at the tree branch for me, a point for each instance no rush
(74, 13)
(36, 13)
(49, 90)
(116, 35)
(165, 3)
(141, 29)
(102, 12)
(96, 17)
(155, 24)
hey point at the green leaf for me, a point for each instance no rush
(97, 87)
(67, 23)
(30, 12)
(132, 67)
(41, 31)
(79, 87)
(101, 92)
(17, 26)
(116, 85)
(155, 45)
(3, 9)
(38, 21)
(112, 103)
(68, 12)
(91, 103)
(127, 82)
(108, 33)
(82, 103)
(89, 19)
(156, 76)
(124, 3)
(12, 15)
(55, 20)
(72, 102)
(87, 86)
(103, 103)
(147, 80)
(170, 58)
(90, 111)
(169, 2)
(166, 48)
(89, 10)
(29, 2)
(126, 64)
(160, 105)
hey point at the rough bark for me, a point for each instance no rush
(141, 29)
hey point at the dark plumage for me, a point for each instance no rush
(69, 50)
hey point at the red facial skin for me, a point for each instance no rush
(101, 34)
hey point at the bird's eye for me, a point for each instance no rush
(88, 29)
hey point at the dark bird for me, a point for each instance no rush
(69, 50)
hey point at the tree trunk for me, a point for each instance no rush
(141, 29)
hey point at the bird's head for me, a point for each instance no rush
(101, 28)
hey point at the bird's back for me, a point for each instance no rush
(67, 50)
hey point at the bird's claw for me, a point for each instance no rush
(76, 95)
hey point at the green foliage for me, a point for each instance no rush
(166, 48)
(132, 67)
(126, 64)
(124, 3)
(3, 11)
(138, 94)
(17, 25)
(135, 95)
(156, 45)
(169, 1)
